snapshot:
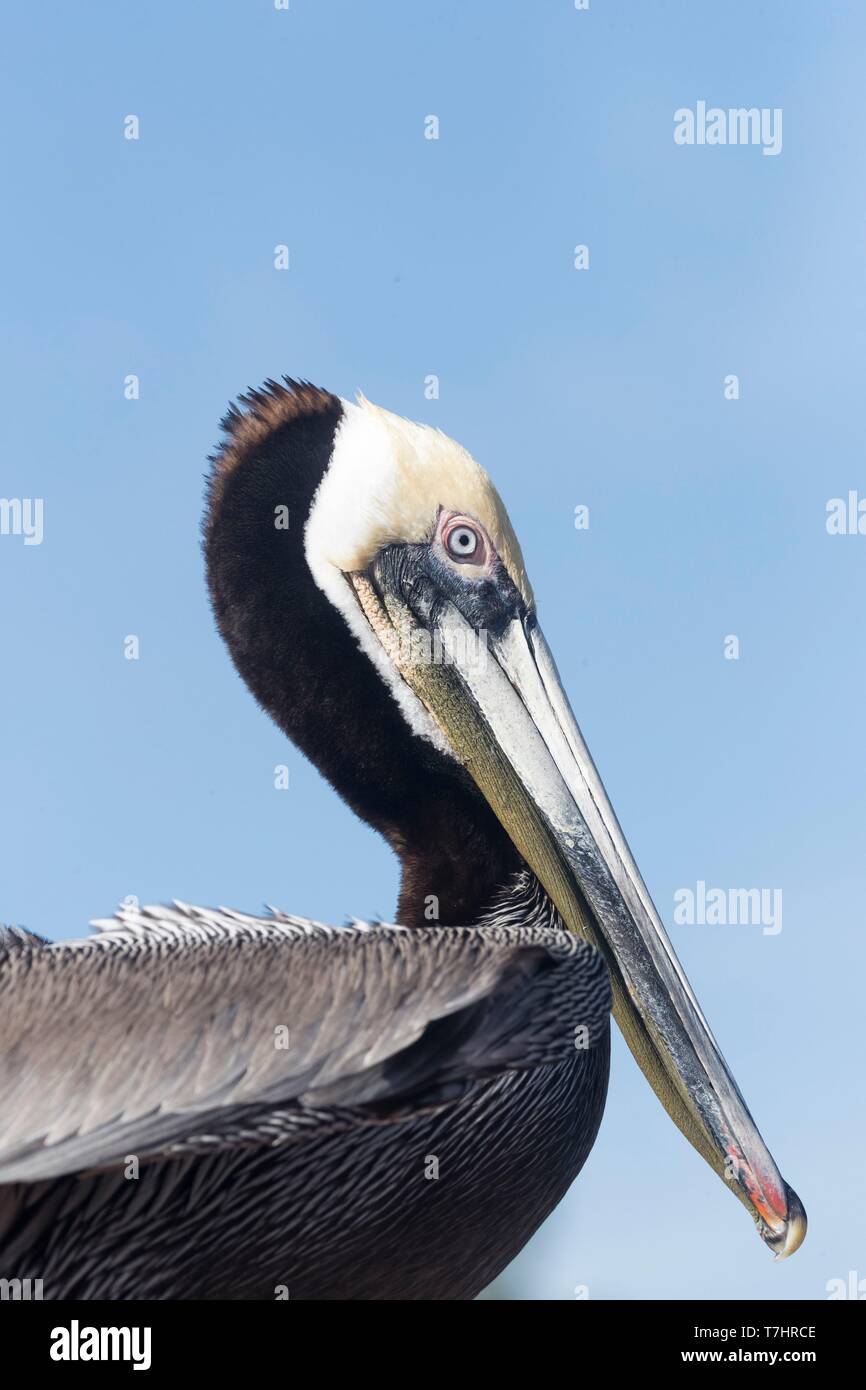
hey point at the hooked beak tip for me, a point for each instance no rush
(778, 1211)
(795, 1231)
(789, 1236)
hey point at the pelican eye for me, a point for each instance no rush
(463, 542)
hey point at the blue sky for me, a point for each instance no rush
(603, 388)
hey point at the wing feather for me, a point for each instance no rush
(170, 1024)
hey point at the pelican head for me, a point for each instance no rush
(373, 594)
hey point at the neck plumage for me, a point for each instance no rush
(297, 655)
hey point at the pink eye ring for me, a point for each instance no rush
(464, 541)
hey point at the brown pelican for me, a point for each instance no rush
(202, 1104)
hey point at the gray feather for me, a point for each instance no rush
(164, 1028)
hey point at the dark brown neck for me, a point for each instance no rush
(304, 666)
(458, 864)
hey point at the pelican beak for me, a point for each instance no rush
(500, 704)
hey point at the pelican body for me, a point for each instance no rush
(196, 1103)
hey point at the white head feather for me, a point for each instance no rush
(386, 481)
